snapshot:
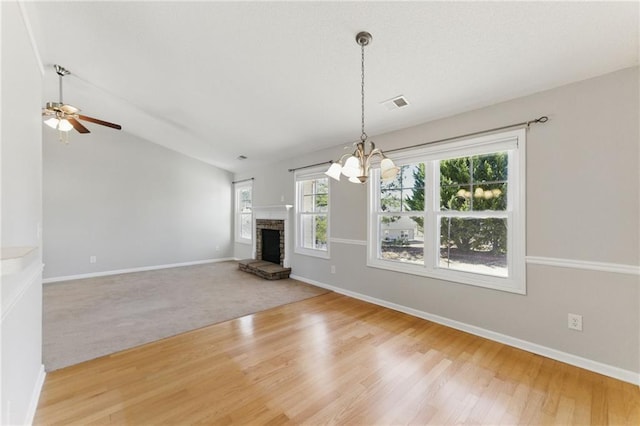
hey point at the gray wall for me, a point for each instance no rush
(21, 213)
(582, 205)
(131, 203)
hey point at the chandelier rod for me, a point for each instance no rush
(526, 124)
(243, 180)
(311, 165)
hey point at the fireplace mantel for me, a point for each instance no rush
(278, 212)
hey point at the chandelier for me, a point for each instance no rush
(356, 166)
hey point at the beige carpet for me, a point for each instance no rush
(89, 318)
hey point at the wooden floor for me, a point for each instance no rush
(332, 360)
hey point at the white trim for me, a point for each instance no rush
(35, 396)
(128, 270)
(587, 364)
(617, 268)
(348, 241)
(22, 289)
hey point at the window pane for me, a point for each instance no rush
(412, 175)
(402, 239)
(245, 226)
(455, 171)
(405, 192)
(321, 203)
(313, 231)
(314, 194)
(322, 186)
(490, 197)
(390, 201)
(474, 183)
(245, 195)
(413, 199)
(306, 187)
(474, 245)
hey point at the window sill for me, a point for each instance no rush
(313, 253)
(511, 285)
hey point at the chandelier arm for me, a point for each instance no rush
(373, 153)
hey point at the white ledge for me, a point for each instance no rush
(272, 212)
(15, 259)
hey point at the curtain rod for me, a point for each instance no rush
(243, 180)
(542, 119)
(311, 165)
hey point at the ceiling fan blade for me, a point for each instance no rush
(77, 125)
(101, 122)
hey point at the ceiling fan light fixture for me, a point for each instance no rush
(62, 125)
(64, 117)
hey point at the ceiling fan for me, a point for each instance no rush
(64, 117)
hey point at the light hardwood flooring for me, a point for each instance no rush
(332, 359)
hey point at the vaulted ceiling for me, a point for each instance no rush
(269, 80)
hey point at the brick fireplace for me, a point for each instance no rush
(263, 251)
(271, 223)
(275, 218)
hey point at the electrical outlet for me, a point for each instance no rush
(575, 322)
(92, 259)
(333, 269)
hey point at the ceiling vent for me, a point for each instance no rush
(396, 103)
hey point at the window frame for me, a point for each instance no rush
(238, 187)
(300, 177)
(514, 142)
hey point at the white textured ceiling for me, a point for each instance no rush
(269, 80)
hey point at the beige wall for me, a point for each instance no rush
(131, 203)
(582, 205)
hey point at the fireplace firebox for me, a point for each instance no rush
(271, 245)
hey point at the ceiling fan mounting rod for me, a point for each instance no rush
(61, 71)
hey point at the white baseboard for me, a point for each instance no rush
(35, 397)
(128, 270)
(587, 364)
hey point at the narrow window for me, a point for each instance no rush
(312, 214)
(244, 212)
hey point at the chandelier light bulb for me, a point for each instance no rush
(334, 171)
(388, 170)
(352, 167)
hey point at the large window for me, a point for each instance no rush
(312, 214)
(455, 212)
(244, 213)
